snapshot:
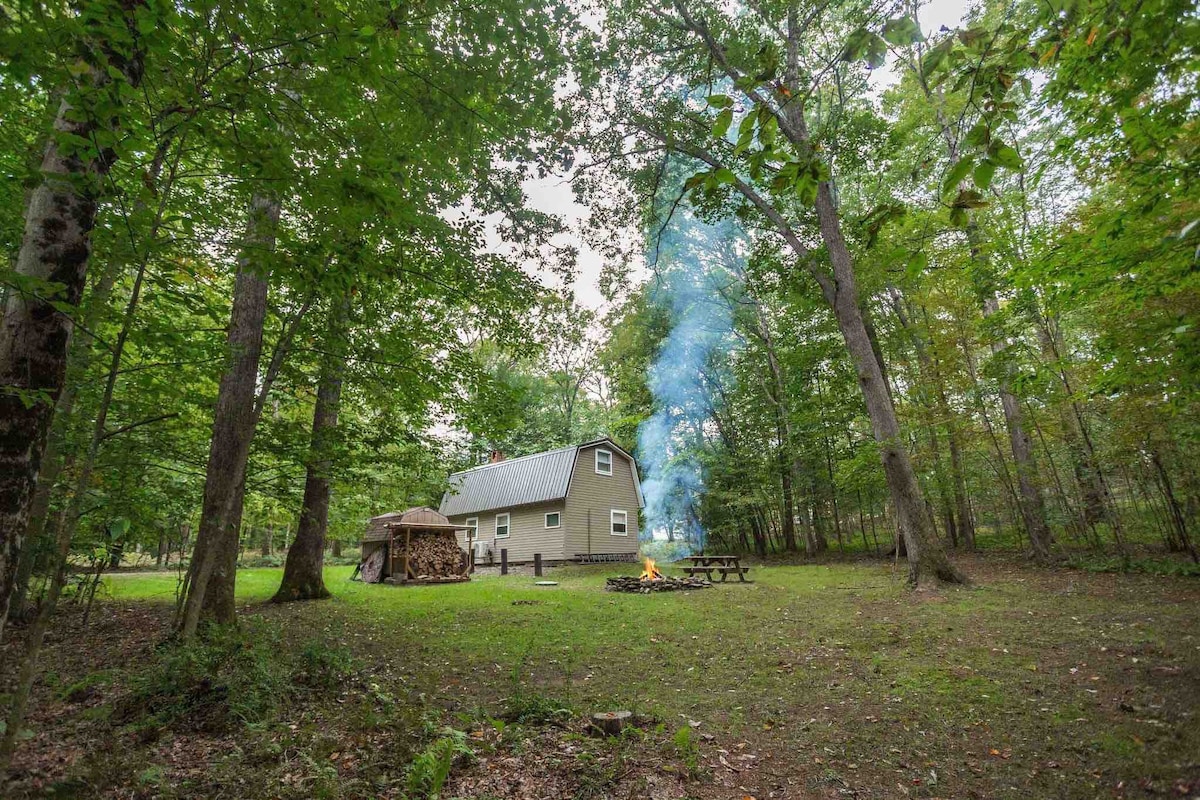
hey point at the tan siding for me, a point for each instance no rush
(595, 496)
(528, 533)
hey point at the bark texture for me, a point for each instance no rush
(214, 561)
(52, 265)
(303, 577)
(34, 338)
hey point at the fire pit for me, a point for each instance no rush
(652, 580)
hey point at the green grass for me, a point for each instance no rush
(839, 671)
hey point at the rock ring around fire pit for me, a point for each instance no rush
(652, 580)
(634, 585)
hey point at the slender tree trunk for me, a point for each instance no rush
(777, 395)
(303, 577)
(214, 560)
(1033, 507)
(1178, 519)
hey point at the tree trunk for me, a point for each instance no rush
(926, 555)
(1033, 508)
(925, 552)
(777, 395)
(214, 560)
(303, 577)
(1178, 520)
(35, 336)
(70, 520)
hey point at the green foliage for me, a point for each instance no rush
(427, 773)
(228, 679)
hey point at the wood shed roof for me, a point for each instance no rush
(415, 517)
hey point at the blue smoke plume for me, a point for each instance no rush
(693, 282)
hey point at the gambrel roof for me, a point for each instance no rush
(538, 478)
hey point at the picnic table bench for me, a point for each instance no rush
(721, 565)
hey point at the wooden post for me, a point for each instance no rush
(407, 542)
(537, 565)
(503, 560)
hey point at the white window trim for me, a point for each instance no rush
(612, 521)
(610, 462)
(547, 519)
(507, 526)
(472, 523)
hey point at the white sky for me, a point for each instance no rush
(553, 193)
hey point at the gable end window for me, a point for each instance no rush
(552, 520)
(502, 526)
(619, 523)
(604, 462)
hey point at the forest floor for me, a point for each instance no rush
(812, 682)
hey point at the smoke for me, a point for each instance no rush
(693, 284)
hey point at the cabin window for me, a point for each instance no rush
(502, 526)
(620, 523)
(604, 462)
(472, 524)
(552, 519)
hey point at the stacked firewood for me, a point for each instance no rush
(434, 554)
(629, 583)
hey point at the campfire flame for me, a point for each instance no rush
(649, 571)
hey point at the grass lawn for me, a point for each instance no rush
(814, 681)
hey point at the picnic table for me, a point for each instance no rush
(721, 565)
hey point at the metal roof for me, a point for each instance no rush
(537, 478)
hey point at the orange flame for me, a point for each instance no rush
(649, 571)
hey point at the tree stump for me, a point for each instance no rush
(610, 723)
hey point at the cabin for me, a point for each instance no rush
(580, 503)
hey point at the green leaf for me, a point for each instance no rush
(876, 52)
(856, 45)
(984, 173)
(979, 135)
(917, 265)
(936, 56)
(721, 123)
(956, 174)
(720, 101)
(745, 134)
(725, 175)
(969, 198)
(1005, 156)
(768, 131)
(806, 188)
(902, 31)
